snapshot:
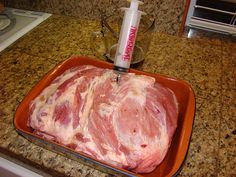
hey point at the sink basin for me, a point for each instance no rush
(20, 22)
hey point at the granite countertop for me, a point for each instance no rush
(208, 64)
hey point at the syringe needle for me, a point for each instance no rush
(118, 77)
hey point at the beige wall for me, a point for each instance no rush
(168, 13)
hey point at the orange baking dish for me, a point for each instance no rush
(174, 159)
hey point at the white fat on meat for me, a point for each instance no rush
(124, 124)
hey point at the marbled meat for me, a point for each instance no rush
(129, 124)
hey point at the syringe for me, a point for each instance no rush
(127, 38)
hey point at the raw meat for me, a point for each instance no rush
(129, 124)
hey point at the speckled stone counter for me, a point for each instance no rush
(209, 65)
(167, 13)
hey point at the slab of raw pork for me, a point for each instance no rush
(129, 124)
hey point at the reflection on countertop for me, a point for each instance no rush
(207, 64)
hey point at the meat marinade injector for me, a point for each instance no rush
(127, 38)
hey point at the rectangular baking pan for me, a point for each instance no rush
(175, 157)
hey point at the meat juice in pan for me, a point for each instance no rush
(129, 124)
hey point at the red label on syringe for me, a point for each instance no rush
(130, 44)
